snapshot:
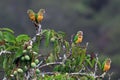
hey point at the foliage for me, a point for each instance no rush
(22, 59)
(99, 19)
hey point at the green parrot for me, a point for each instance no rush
(106, 65)
(78, 37)
(36, 17)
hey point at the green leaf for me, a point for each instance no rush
(93, 62)
(22, 37)
(4, 63)
(84, 78)
(44, 31)
(67, 46)
(103, 63)
(51, 58)
(12, 48)
(1, 36)
(19, 52)
(58, 48)
(82, 58)
(89, 62)
(8, 37)
(78, 60)
(6, 29)
(57, 68)
(99, 64)
(36, 47)
(48, 36)
(61, 33)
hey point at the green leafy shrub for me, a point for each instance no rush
(23, 58)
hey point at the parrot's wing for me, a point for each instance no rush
(41, 12)
(31, 14)
(103, 64)
(39, 15)
(75, 38)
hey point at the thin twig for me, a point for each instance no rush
(75, 73)
(4, 51)
(83, 68)
(109, 76)
(40, 63)
(39, 29)
(101, 76)
(48, 73)
(86, 46)
(71, 40)
(79, 73)
(4, 78)
(47, 64)
(96, 64)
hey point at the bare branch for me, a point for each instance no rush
(5, 52)
(109, 76)
(96, 64)
(53, 63)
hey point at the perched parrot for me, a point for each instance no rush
(106, 65)
(36, 17)
(78, 37)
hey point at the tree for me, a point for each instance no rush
(23, 58)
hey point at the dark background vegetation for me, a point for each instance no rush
(98, 19)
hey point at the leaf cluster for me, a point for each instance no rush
(25, 57)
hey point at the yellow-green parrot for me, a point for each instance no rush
(78, 37)
(36, 17)
(106, 65)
